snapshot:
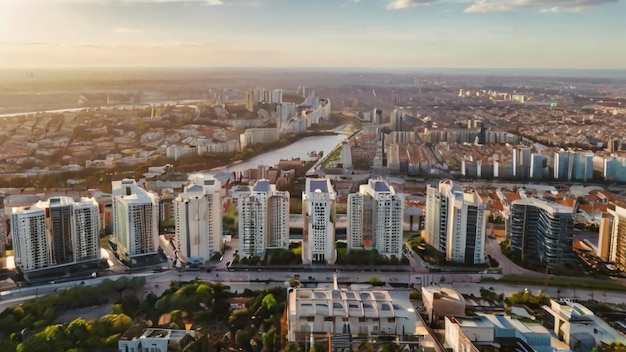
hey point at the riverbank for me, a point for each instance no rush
(298, 149)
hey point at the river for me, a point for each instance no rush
(299, 149)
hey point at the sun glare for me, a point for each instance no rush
(8, 10)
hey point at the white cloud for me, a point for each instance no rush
(124, 30)
(555, 9)
(544, 6)
(407, 4)
(489, 6)
(146, 2)
(484, 6)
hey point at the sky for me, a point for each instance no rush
(561, 34)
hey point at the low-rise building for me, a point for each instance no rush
(154, 339)
(441, 301)
(578, 326)
(364, 312)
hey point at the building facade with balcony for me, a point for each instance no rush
(135, 218)
(456, 222)
(612, 241)
(56, 232)
(198, 219)
(375, 219)
(541, 231)
(263, 219)
(318, 210)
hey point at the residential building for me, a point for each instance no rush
(573, 165)
(541, 231)
(56, 232)
(318, 210)
(397, 119)
(346, 154)
(259, 136)
(3, 235)
(562, 166)
(135, 218)
(511, 334)
(537, 166)
(263, 219)
(441, 301)
(316, 312)
(578, 326)
(456, 222)
(154, 339)
(462, 333)
(198, 219)
(614, 169)
(375, 219)
(86, 227)
(30, 239)
(250, 100)
(612, 241)
(277, 96)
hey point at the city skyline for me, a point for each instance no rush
(325, 33)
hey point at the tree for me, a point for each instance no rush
(615, 347)
(366, 347)
(292, 347)
(319, 347)
(488, 295)
(375, 281)
(77, 332)
(390, 347)
(393, 260)
(52, 338)
(243, 338)
(239, 319)
(269, 302)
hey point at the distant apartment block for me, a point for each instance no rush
(612, 241)
(538, 163)
(262, 95)
(573, 166)
(263, 219)
(346, 155)
(375, 219)
(135, 218)
(313, 111)
(56, 232)
(614, 169)
(198, 218)
(276, 96)
(397, 119)
(541, 231)
(259, 136)
(250, 100)
(455, 222)
(318, 209)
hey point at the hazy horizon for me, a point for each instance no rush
(39, 72)
(358, 34)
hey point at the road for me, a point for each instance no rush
(492, 248)
(238, 281)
